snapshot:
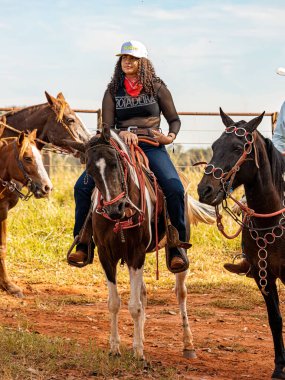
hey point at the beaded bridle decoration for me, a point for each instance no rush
(226, 179)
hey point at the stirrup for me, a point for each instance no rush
(90, 254)
(168, 261)
(240, 255)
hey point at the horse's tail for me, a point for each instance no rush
(200, 212)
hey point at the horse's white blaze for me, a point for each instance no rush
(40, 167)
(136, 309)
(101, 164)
(149, 206)
(124, 148)
(114, 303)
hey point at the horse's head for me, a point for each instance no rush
(104, 165)
(233, 162)
(67, 126)
(25, 165)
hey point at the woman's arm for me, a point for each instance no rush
(169, 112)
(108, 110)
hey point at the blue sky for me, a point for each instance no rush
(210, 53)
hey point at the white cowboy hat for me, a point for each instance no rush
(280, 71)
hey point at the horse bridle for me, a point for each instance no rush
(227, 178)
(124, 161)
(29, 183)
(261, 241)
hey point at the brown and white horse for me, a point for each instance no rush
(122, 230)
(20, 164)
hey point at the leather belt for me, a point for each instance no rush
(140, 131)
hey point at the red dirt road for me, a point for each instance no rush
(230, 343)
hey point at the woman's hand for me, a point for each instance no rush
(129, 137)
(162, 139)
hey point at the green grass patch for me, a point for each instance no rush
(28, 356)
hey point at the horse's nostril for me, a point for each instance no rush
(47, 189)
(120, 207)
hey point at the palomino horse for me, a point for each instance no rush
(55, 122)
(241, 155)
(20, 163)
(122, 230)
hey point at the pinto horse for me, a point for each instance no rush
(55, 122)
(20, 163)
(242, 156)
(122, 230)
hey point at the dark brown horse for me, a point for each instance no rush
(242, 156)
(20, 165)
(55, 122)
(122, 230)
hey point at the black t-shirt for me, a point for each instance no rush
(143, 110)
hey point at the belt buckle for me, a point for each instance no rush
(132, 128)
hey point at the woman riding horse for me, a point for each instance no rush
(132, 104)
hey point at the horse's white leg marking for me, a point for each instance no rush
(114, 303)
(40, 167)
(144, 304)
(101, 164)
(136, 310)
(181, 295)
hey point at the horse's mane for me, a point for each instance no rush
(277, 164)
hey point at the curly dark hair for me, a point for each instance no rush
(146, 77)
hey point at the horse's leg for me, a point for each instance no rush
(181, 295)
(144, 304)
(5, 282)
(275, 323)
(114, 303)
(136, 310)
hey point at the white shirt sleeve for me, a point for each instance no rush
(278, 138)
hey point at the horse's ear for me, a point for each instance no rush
(75, 145)
(21, 138)
(52, 101)
(226, 119)
(60, 96)
(33, 135)
(254, 123)
(106, 132)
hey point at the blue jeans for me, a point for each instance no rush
(167, 177)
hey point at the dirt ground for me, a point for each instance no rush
(230, 343)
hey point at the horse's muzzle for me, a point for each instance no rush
(116, 211)
(40, 191)
(209, 194)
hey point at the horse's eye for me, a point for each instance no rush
(70, 120)
(238, 149)
(28, 159)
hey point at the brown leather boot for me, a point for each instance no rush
(243, 267)
(78, 256)
(176, 263)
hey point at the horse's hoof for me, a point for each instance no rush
(116, 354)
(278, 375)
(14, 291)
(189, 354)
